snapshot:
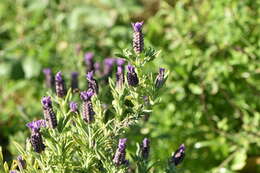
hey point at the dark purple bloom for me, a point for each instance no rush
(92, 83)
(36, 137)
(178, 156)
(48, 112)
(73, 107)
(89, 60)
(120, 79)
(74, 81)
(145, 148)
(132, 77)
(49, 80)
(160, 79)
(87, 107)
(21, 162)
(119, 157)
(138, 39)
(36, 141)
(60, 85)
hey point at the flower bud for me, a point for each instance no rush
(74, 81)
(49, 80)
(74, 107)
(145, 148)
(178, 156)
(48, 112)
(87, 107)
(92, 83)
(60, 85)
(138, 39)
(160, 78)
(132, 77)
(21, 162)
(120, 79)
(89, 61)
(119, 157)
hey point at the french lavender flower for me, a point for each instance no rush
(120, 79)
(49, 81)
(159, 81)
(87, 108)
(138, 39)
(178, 156)
(120, 62)
(60, 85)
(92, 83)
(108, 66)
(21, 162)
(36, 137)
(89, 61)
(132, 77)
(74, 81)
(13, 171)
(97, 68)
(145, 148)
(119, 157)
(48, 112)
(74, 107)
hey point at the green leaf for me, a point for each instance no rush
(239, 160)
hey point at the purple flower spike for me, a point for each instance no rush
(36, 125)
(21, 162)
(145, 148)
(160, 79)
(89, 60)
(87, 108)
(120, 79)
(120, 61)
(60, 85)
(49, 81)
(48, 112)
(92, 83)
(73, 107)
(120, 154)
(138, 39)
(36, 141)
(178, 156)
(74, 81)
(132, 77)
(137, 26)
(108, 66)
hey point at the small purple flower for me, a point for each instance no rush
(120, 61)
(160, 79)
(92, 83)
(178, 156)
(132, 77)
(60, 85)
(87, 107)
(21, 162)
(97, 68)
(49, 81)
(120, 79)
(119, 157)
(108, 66)
(13, 171)
(36, 125)
(89, 61)
(138, 39)
(74, 81)
(73, 107)
(145, 148)
(137, 26)
(48, 112)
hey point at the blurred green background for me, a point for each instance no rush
(211, 48)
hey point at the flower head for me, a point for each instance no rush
(36, 125)
(46, 102)
(137, 26)
(160, 79)
(47, 71)
(86, 95)
(58, 76)
(179, 155)
(60, 85)
(132, 77)
(120, 61)
(88, 56)
(73, 107)
(90, 75)
(145, 148)
(119, 157)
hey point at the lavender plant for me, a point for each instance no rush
(70, 139)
